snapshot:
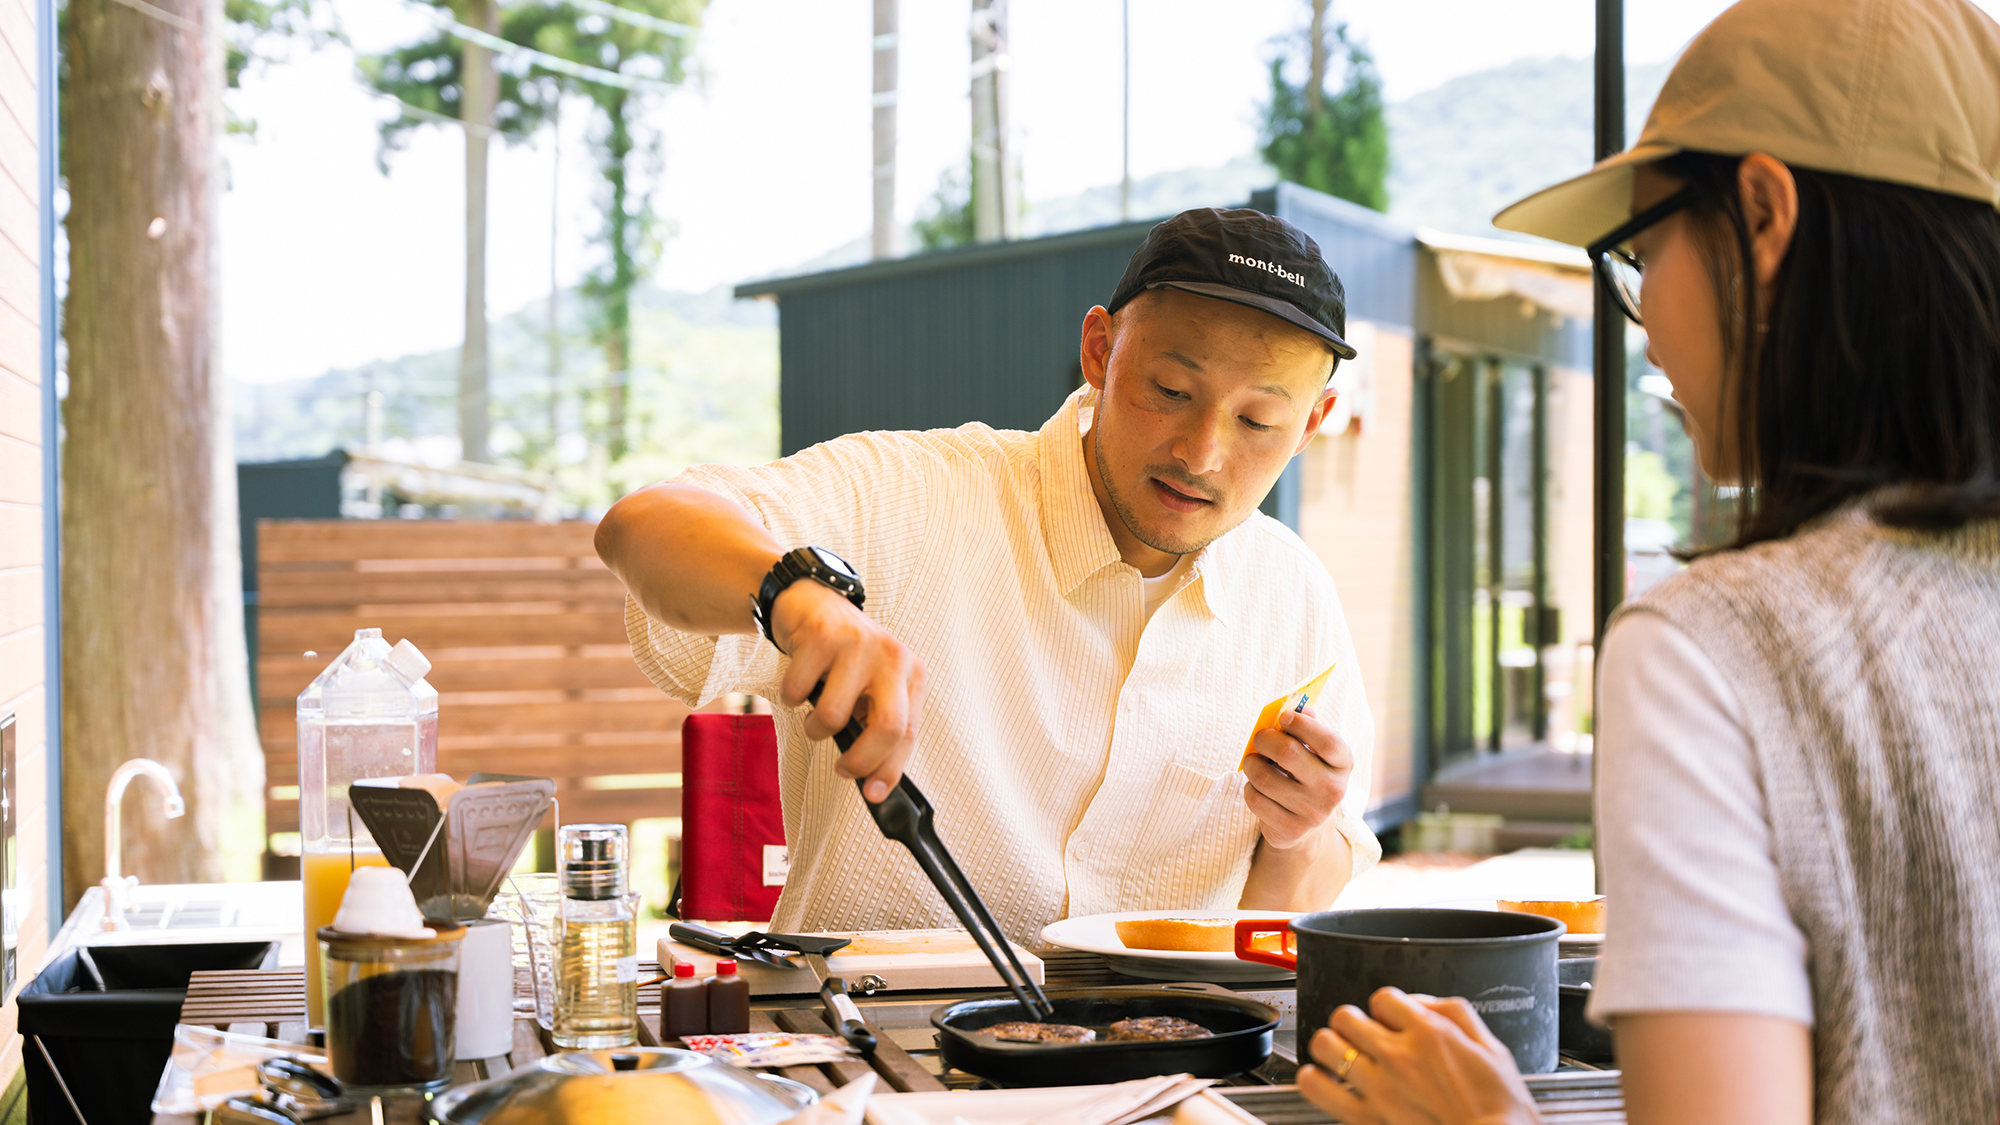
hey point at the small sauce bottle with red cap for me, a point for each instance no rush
(683, 1004)
(728, 1001)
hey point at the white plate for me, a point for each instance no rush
(1098, 933)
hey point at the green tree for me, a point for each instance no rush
(619, 57)
(947, 217)
(1335, 141)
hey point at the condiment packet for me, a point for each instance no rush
(770, 1048)
(1296, 699)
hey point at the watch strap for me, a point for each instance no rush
(793, 566)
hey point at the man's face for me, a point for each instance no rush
(1201, 404)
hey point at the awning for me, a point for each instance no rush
(1556, 278)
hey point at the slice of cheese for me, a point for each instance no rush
(1294, 700)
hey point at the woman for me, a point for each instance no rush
(1801, 733)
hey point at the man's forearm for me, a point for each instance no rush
(690, 558)
(1306, 877)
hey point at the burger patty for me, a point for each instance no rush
(1025, 1032)
(1157, 1027)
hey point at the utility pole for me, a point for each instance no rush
(482, 90)
(882, 244)
(1316, 80)
(1608, 339)
(1607, 350)
(993, 206)
(1125, 174)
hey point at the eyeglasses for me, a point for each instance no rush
(1618, 268)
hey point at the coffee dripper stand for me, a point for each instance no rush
(456, 859)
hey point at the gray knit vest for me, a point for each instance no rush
(1867, 663)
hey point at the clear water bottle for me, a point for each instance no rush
(369, 714)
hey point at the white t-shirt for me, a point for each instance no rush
(1695, 916)
(1158, 590)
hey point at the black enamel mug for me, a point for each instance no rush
(1503, 964)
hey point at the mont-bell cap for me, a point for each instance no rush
(1903, 91)
(1243, 256)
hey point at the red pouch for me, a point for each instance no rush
(733, 858)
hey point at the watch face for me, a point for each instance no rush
(834, 563)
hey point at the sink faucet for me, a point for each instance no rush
(118, 888)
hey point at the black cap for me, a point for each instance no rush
(1243, 256)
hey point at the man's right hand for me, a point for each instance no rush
(867, 672)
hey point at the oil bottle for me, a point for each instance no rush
(597, 959)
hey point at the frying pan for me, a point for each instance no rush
(1243, 1031)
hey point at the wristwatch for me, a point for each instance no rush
(816, 563)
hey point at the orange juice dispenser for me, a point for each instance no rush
(369, 714)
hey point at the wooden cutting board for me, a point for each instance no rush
(907, 959)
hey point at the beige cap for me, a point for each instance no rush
(1906, 91)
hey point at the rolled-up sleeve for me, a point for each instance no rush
(865, 497)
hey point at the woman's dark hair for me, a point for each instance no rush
(1878, 361)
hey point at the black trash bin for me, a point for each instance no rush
(105, 1049)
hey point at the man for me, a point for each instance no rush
(1066, 636)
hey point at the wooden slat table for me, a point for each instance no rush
(271, 1003)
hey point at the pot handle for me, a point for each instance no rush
(1248, 929)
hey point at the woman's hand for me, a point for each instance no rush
(1420, 1060)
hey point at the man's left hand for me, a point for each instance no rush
(1298, 776)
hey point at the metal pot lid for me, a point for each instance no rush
(624, 1086)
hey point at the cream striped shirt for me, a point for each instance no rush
(1082, 758)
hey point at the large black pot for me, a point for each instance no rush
(1581, 1040)
(1504, 964)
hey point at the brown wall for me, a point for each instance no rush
(1354, 512)
(21, 635)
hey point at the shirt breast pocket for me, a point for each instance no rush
(1195, 836)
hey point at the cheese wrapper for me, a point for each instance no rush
(1294, 700)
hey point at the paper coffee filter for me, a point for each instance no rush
(486, 824)
(376, 902)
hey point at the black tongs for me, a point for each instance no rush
(906, 816)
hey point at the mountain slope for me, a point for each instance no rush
(1460, 152)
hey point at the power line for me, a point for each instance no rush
(422, 113)
(542, 59)
(162, 15)
(636, 19)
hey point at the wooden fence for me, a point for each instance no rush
(525, 630)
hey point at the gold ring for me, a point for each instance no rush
(1346, 1063)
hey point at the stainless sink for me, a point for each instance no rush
(172, 913)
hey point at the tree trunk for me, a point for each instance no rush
(993, 210)
(621, 229)
(1316, 81)
(481, 91)
(555, 285)
(883, 242)
(139, 590)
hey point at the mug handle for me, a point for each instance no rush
(1248, 930)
